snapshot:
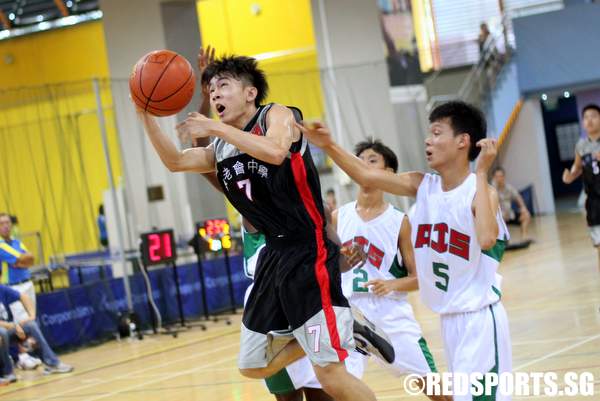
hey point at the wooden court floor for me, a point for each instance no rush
(551, 292)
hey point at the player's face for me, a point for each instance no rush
(230, 98)
(499, 178)
(442, 146)
(591, 121)
(5, 226)
(373, 159)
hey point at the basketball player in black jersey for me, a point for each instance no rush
(587, 164)
(266, 171)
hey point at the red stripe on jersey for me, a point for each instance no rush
(321, 272)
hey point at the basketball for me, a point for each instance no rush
(162, 83)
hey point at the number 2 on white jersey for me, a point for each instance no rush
(245, 185)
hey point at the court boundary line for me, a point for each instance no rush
(557, 352)
(114, 379)
(166, 377)
(23, 385)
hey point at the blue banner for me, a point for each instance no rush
(87, 274)
(86, 312)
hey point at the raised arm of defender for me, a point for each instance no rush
(485, 204)
(404, 184)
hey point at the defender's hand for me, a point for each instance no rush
(205, 57)
(354, 254)
(567, 177)
(487, 155)
(380, 287)
(317, 133)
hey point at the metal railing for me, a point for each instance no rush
(482, 76)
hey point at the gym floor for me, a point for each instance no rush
(551, 292)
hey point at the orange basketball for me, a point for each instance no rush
(162, 83)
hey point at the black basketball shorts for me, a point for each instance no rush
(297, 292)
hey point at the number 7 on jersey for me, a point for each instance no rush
(246, 186)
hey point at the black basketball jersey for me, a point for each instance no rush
(279, 200)
(588, 150)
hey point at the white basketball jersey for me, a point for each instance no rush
(455, 274)
(379, 238)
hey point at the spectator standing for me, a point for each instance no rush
(16, 261)
(484, 34)
(101, 221)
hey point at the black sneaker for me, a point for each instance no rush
(370, 340)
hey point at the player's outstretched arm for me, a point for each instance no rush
(272, 148)
(485, 204)
(211, 177)
(576, 169)
(200, 160)
(405, 184)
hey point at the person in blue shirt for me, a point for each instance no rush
(20, 330)
(102, 227)
(15, 261)
(14, 256)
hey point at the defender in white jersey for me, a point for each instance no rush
(458, 234)
(379, 286)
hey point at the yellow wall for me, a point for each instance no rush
(231, 26)
(281, 36)
(68, 54)
(52, 166)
